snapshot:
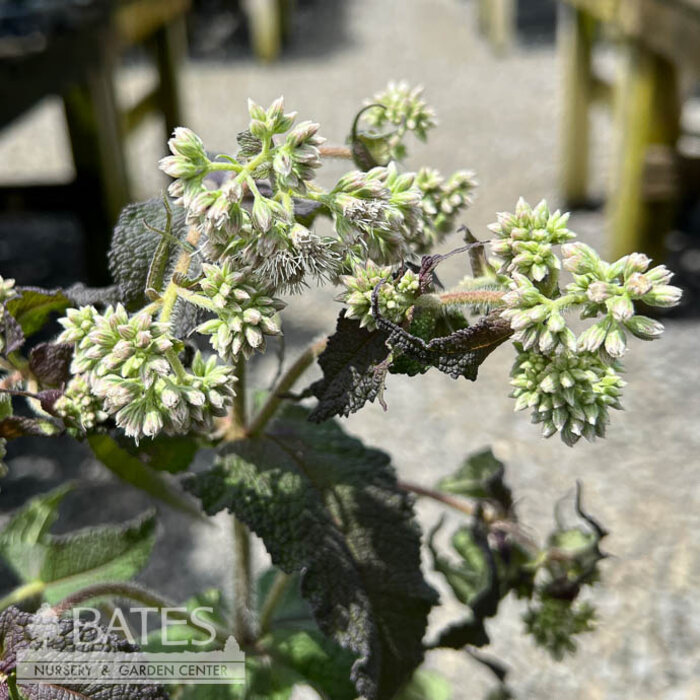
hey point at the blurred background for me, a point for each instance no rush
(591, 104)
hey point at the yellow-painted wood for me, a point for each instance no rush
(576, 34)
(136, 20)
(265, 27)
(647, 114)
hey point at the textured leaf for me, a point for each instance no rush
(353, 370)
(425, 685)
(138, 474)
(16, 635)
(96, 555)
(328, 507)
(33, 306)
(480, 476)
(27, 528)
(67, 563)
(80, 295)
(459, 354)
(50, 363)
(134, 245)
(11, 332)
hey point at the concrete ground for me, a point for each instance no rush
(499, 117)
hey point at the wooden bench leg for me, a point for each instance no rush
(101, 171)
(647, 115)
(265, 27)
(170, 45)
(502, 30)
(576, 36)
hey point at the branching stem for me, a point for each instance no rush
(492, 297)
(289, 378)
(488, 513)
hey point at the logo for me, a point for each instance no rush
(73, 651)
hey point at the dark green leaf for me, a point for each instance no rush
(50, 363)
(33, 305)
(134, 245)
(330, 508)
(16, 634)
(135, 472)
(353, 370)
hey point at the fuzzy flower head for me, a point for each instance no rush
(569, 393)
(396, 294)
(80, 409)
(7, 289)
(403, 107)
(538, 321)
(610, 290)
(442, 201)
(245, 313)
(295, 162)
(188, 165)
(525, 240)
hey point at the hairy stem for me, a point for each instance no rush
(279, 586)
(287, 381)
(473, 296)
(22, 593)
(335, 152)
(181, 266)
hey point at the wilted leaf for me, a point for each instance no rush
(135, 472)
(329, 507)
(353, 370)
(15, 635)
(67, 563)
(33, 306)
(459, 354)
(50, 363)
(480, 476)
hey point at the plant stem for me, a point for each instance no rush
(472, 296)
(279, 586)
(489, 514)
(181, 266)
(289, 378)
(27, 590)
(242, 585)
(335, 152)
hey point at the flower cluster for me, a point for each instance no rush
(442, 201)
(403, 107)
(130, 364)
(571, 382)
(610, 290)
(297, 159)
(568, 392)
(525, 240)
(395, 296)
(80, 409)
(537, 320)
(244, 313)
(379, 211)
